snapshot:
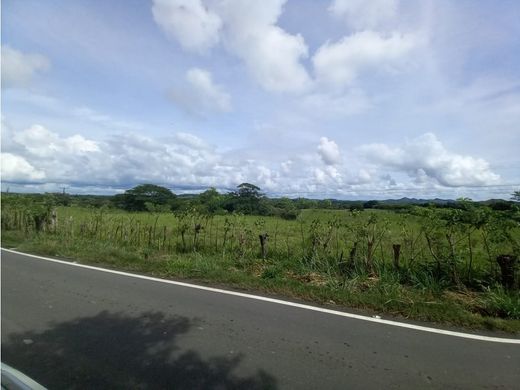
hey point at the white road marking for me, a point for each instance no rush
(282, 302)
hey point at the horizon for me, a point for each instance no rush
(268, 195)
(372, 101)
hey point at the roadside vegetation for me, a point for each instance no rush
(447, 262)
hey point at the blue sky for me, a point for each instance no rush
(345, 98)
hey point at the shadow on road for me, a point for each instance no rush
(116, 351)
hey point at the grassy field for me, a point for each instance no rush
(445, 269)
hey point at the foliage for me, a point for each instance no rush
(516, 196)
(146, 197)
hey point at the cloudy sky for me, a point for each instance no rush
(350, 99)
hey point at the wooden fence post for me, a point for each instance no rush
(507, 267)
(397, 253)
(263, 244)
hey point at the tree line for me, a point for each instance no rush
(247, 199)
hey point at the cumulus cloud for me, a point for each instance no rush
(41, 142)
(286, 166)
(18, 69)
(200, 94)
(121, 159)
(182, 160)
(189, 22)
(64, 159)
(16, 168)
(338, 64)
(362, 14)
(426, 158)
(37, 155)
(271, 54)
(247, 30)
(329, 151)
(320, 175)
(273, 58)
(330, 177)
(191, 141)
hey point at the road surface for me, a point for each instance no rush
(74, 328)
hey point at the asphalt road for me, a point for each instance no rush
(74, 328)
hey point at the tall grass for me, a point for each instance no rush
(338, 244)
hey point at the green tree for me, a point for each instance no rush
(210, 200)
(284, 208)
(249, 191)
(371, 204)
(516, 196)
(248, 199)
(145, 197)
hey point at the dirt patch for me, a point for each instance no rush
(312, 278)
(257, 269)
(465, 298)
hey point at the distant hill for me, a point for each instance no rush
(415, 201)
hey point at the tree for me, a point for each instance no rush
(249, 191)
(284, 208)
(516, 196)
(371, 204)
(145, 197)
(247, 199)
(211, 200)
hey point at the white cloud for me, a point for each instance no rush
(274, 60)
(338, 64)
(186, 161)
(62, 159)
(19, 68)
(200, 94)
(79, 144)
(286, 166)
(247, 30)
(271, 54)
(426, 158)
(189, 22)
(329, 151)
(191, 141)
(329, 177)
(320, 176)
(124, 160)
(16, 168)
(364, 14)
(41, 142)
(181, 160)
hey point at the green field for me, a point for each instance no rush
(446, 270)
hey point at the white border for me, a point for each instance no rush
(282, 302)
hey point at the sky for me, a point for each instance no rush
(346, 99)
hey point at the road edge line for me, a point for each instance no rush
(279, 301)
